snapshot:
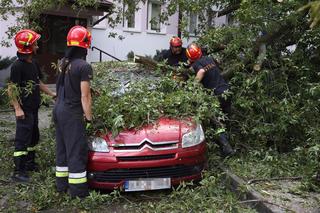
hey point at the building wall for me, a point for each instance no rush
(140, 40)
(141, 43)
(4, 24)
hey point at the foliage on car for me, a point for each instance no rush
(147, 99)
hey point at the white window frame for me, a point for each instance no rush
(163, 27)
(196, 27)
(137, 20)
(101, 25)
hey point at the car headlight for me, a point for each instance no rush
(98, 145)
(193, 138)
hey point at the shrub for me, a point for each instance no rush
(6, 62)
(130, 56)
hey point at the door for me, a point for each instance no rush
(53, 42)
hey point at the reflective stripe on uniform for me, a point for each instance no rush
(19, 153)
(62, 169)
(78, 175)
(77, 180)
(62, 174)
(30, 149)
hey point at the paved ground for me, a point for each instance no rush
(288, 196)
(278, 196)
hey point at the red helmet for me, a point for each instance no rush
(24, 40)
(193, 52)
(79, 36)
(175, 42)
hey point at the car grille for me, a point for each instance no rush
(117, 175)
(156, 146)
(146, 158)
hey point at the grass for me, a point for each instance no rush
(264, 165)
(300, 162)
(210, 195)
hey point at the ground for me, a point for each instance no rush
(212, 194)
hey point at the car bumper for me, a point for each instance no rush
(111, 170)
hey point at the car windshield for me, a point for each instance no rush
(121, 79)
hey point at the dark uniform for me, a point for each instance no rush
(72, 147)
(27, 132)
(175, 59)
(212, 79)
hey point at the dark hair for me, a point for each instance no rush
(23, 57)
(76, 52)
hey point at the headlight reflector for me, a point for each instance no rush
(193, 138)
(98, 144)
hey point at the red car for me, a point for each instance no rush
(155, 157)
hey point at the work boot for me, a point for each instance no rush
(79, 190)
(30, 164)
(20, 177)
(225, 148)
(32, 167)
(62, 191)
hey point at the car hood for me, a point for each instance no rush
(164, 130)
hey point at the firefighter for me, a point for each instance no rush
(71, 112)
(25, 75)
(176, 54)
(208, 74)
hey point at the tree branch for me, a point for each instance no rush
(229, 9)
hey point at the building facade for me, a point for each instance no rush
(141, 32)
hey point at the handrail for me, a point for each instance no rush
(101, 51)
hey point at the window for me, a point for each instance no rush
(100, 25)
(193, 23)
(131, 21)
(154, 13)
(93, 19)
(129, 15)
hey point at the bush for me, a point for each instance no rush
(159, 55)
(6, 62)
(4, 100)
(130, 56)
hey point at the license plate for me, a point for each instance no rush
(145, 184)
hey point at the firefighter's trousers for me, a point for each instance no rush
(71, 151)
(27, 137)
